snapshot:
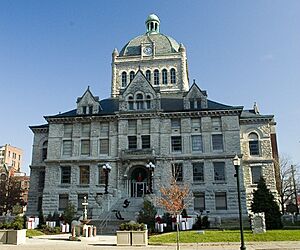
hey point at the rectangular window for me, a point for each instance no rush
(192, 104)
(132, 142)
(177, 171)
(196, 124)
(146, 125)
(253, 147)
(104, 146)
(219, 171)
(199, 202)
(63, 201)
(65, 175)
(85, 129)
(221, 201)
(68, 130)
(176, 143)
(197, 143)
(132, 126)
(104, 129)
(90, 110)
(145, 141)
(85, 147)
(101, 175)
(217, 142)
(84, 175)
(255, 174)
(198, 171)
(80, 201)
(216, 123)
(67, 148)
(175, 123)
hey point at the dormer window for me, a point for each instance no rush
(164, 76)
(156, 77)
(131, 75)
(83, 109)
(124, 79)
(148, 75)
(148, 102)
(195, 103)
(173, 76)
(130, 103)
(139, 101)
(90, 110)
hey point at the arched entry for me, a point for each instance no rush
(138, 181)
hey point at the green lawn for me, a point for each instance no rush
(226, 236)
(33, 232)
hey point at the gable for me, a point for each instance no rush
(88, 104)
(195, 97)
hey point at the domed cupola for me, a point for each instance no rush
(152, 24)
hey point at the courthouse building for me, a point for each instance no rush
(154, 114)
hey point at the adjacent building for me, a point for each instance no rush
(10, 159)
(155, 114)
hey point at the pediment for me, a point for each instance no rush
(196, 93)
(88, 103)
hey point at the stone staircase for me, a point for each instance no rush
(108, 223)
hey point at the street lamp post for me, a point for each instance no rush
(237, 162)
(106, 169)
(150, 166)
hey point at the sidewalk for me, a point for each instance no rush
(105, 242)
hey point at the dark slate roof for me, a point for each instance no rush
(111, 105)
(39, 126)
(251, 114)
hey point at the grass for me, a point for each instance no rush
(226, 236)
(33, 232)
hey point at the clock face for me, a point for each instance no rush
(147, 51)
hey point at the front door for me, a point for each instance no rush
(139, 177)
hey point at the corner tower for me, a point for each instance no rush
(161, 59)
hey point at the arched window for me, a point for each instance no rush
(131, 75)
(44, 150)
(139, 101)
(173, 76)
(253, 144)
(124, 79)
(148, 102)
(164, 76)
(130, 103)
(148, 75)
(156, 77)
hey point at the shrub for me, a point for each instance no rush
(132, 226)
(16, 224)
(147, 215)
(69, 213)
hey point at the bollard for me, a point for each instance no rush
(90, 231)
(94, 231)
(73, 232)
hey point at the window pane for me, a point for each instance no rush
(176, 143)
(65, 175)
(254, 147)
(104, 146)
(68, 130)
(145, 141)
(124, 79)
(85, 129)
(219, 171)
(221, 201)
(131, 75)
(132, 126)
(164, 76)
(199, 202)
(146, 125)
(132, 144)
(63, 201)
(255, 174)
(173, 76)
(156, 77)
(104, 128)
(197, 143)
(217, 142)
(177, 172)
(175, 123)
(101, 177)
(85, 147)
(84, 175)
(148, 75)
(198, 171)
(67, 148)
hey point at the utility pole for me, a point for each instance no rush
(295, 189)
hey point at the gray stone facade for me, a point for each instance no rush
(167, 123)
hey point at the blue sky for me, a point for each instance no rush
(241, 52)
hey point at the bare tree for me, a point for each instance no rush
(175, 197)
(288, 183)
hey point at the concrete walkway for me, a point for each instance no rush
(61, 242)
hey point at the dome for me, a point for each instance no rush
(163, 44)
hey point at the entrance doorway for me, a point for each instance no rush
(139, 184)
